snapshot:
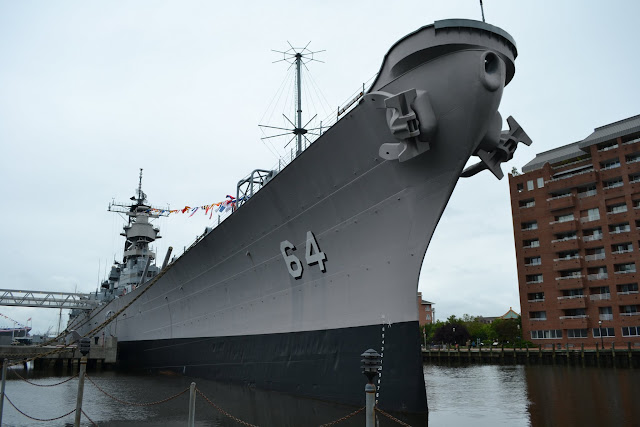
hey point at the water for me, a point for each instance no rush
(478, 395)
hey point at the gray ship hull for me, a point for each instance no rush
(231, 309)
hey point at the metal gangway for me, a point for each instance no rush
(61, 300)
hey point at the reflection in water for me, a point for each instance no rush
(459, 395)
(570, 395)
(478, 395)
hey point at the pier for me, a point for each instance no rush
(605, 357)
(103, 353)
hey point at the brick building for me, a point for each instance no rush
(576, 220)
(426, 312)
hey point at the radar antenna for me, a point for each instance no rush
(299, 57)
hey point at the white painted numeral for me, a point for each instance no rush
(291, 260)
(313, 253)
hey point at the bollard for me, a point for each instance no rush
(192, 405)
(371, 364)
(83, 368)
(4, 379)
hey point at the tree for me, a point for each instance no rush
(507, 330)
(452, 333)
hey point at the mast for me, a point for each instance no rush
(298, 57)
(299, 124)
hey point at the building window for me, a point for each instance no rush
(590, 215)
(532, 261)
(629, 288)
(564, 218)
(619, 228)
(538, 315)
(531, 225)
(534, 278)
(631, 331)
(576, 333)
(529, 203)
(606, 313)
(533, 243)
(610, 164)
(622, 248)
(520, 187)
(625, 268)
(612, 183)
(632, 158)
(530, 185)
(540, 182)
(619, 208)
(606, 146)
(536, 296)
(634, 178)
(548, 334)
(587, 191)
(628, 310)
(606, 332)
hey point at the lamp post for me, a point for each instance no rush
(601, 338)
(455, 341)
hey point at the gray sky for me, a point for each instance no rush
(92, 91)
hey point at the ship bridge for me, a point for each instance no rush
(66, 300)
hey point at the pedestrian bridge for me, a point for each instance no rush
(66, 300)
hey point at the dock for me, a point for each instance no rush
(104, 353)
(618, 357)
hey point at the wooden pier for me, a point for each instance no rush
(104, 353)
(619, 357)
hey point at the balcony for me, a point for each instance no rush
(573, 301)
(634, 313)
(567, 263)
(561, 202)
(597, 276)
(570, 282)
(606, 317)
(574, 322)
(560, 245)
(563, 226)
(586, 219)
(600, 297)
(628, 298)
(536, 300)
(571, 180)
(595, 257)
(537, 319)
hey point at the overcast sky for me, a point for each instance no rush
(92, 91)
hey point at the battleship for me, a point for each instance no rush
(307, 273)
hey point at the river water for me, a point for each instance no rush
(471, 395)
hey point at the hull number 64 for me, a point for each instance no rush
(313, 255)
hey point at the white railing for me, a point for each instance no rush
(577, 276)
(569, 175)
(620, 231)
(606, 317)
(533, 264)
(532, 282)
(588, 193)
(633, 160)
(571, 297)
(537, 319)
(528, 205)
(560, 221)
(613, 185)
(627, 292)
(622, 251)
(530, 228)
(577, 316)
(633, 313)
(589, 218)
(617, 211)
(598, 276)
(536, 300)
(613, 166)
(592, 237)
(532, 246)
(562, 196)
(634, 180)
(567, 258)
(625, 272)
(594, 257)
(564, 239)
(633, 141)
(599, 297)
(608, 147)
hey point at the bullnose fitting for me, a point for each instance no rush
(493, 71)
